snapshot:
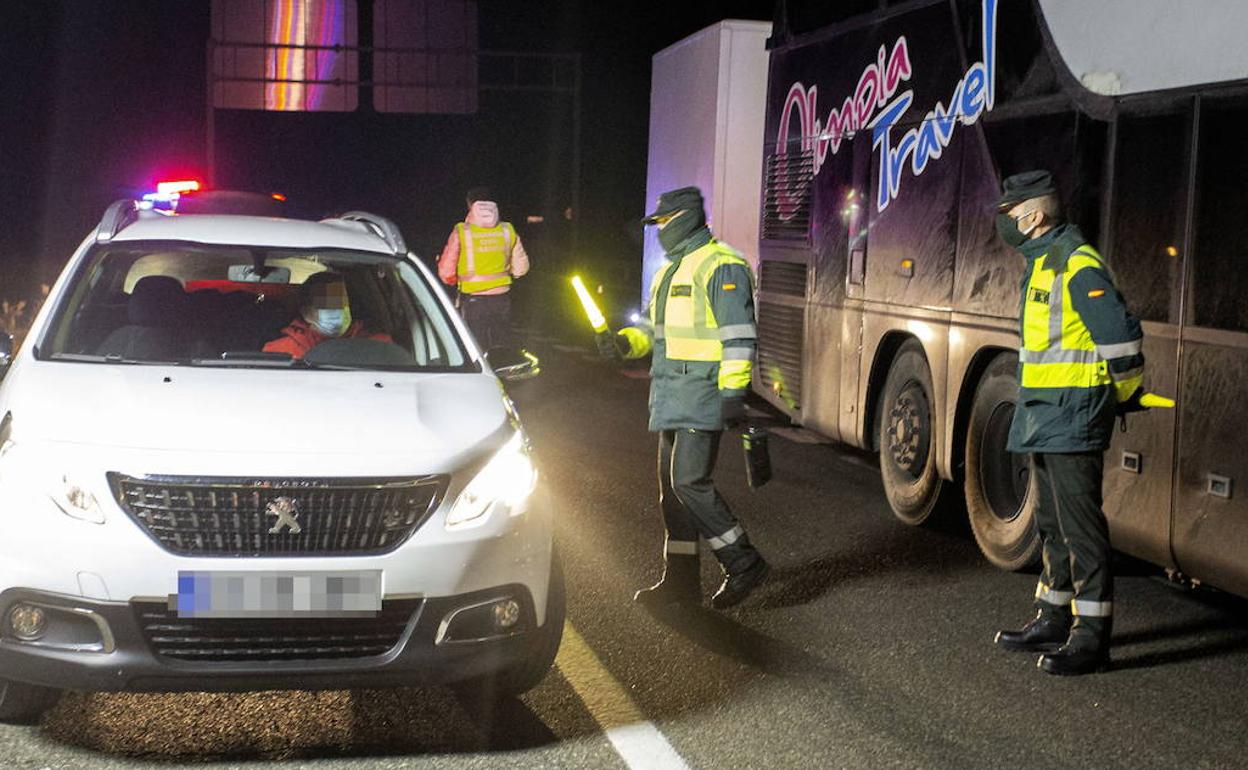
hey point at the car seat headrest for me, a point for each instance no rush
(156, 300)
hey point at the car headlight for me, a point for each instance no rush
(504, 484)
(74, 499)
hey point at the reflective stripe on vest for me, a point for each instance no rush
(484, 256)
(1057, 350)
(689, 327)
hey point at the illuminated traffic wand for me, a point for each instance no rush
(595, 316)
(1152, 400)
(1145, 401)
(603, 337)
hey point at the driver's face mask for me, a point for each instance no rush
(330, 312)
(332, 321)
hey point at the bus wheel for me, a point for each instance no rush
(907, 440)
(1001, 495)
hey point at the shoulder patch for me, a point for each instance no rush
(1094, 293)
(729, 286)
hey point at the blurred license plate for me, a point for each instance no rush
(277, 594)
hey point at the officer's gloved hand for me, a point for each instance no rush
(1132, 404)
(607, 347)
(732, 411)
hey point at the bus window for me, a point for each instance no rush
(1023, 68)
(1221, 244)
(1148, 211)
(1038, 141)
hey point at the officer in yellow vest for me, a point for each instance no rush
(482, 256)
(702, 335)
(1081, 362)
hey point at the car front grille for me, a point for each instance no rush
(273, 639)
(278, 517)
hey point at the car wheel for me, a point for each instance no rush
(1000, 489)
(907, 439)
(24, 703)
(526, 674)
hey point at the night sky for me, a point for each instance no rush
(102, 98)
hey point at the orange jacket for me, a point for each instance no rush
(300, 337)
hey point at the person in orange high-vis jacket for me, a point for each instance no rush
(482, 257)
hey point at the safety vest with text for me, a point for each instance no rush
(690, 330)
(484, 256)
(1058, 350)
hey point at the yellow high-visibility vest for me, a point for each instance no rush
(1057, 350)
(484, 256)
(690, 330)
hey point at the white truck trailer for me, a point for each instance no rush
(707, 98)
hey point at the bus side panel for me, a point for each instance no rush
(985, 288)
(1211, 520)
(1139, 464)
(912, 237)
(988, 272)
(833, 333)
(821, 411)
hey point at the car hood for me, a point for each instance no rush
(431, 419)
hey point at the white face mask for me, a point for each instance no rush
(483, 214)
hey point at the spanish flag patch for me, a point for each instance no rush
(729, 286)
(1096, 293)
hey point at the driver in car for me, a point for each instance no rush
(324, 314)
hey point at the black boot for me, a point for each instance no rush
(681, 584)
(1046, 632)
(738, 585)
(1086, 652)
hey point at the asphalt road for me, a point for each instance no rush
(870, 647)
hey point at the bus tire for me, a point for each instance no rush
(907, 440)
(1000, 490)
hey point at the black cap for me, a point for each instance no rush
(1025, 186)
(479, 194)
(672, 201)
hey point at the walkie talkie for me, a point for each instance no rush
(757, 458)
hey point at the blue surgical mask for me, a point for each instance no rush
(332, 321)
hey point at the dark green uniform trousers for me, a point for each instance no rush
(1075, 538)
(692, 506)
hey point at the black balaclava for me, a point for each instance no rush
(681, 229)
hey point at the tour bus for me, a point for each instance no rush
(888, 306)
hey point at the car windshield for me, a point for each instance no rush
(200, 305)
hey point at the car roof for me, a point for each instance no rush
(235, 230)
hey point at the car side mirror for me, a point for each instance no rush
(6, 352)
(513, 364)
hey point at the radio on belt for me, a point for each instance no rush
(757, 458)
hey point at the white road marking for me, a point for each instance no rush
(638, 742)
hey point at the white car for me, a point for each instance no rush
(182, 509)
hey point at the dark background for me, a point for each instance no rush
(101, 99)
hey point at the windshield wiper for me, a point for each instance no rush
(112, 358)
(249, 358)
(262, 358)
